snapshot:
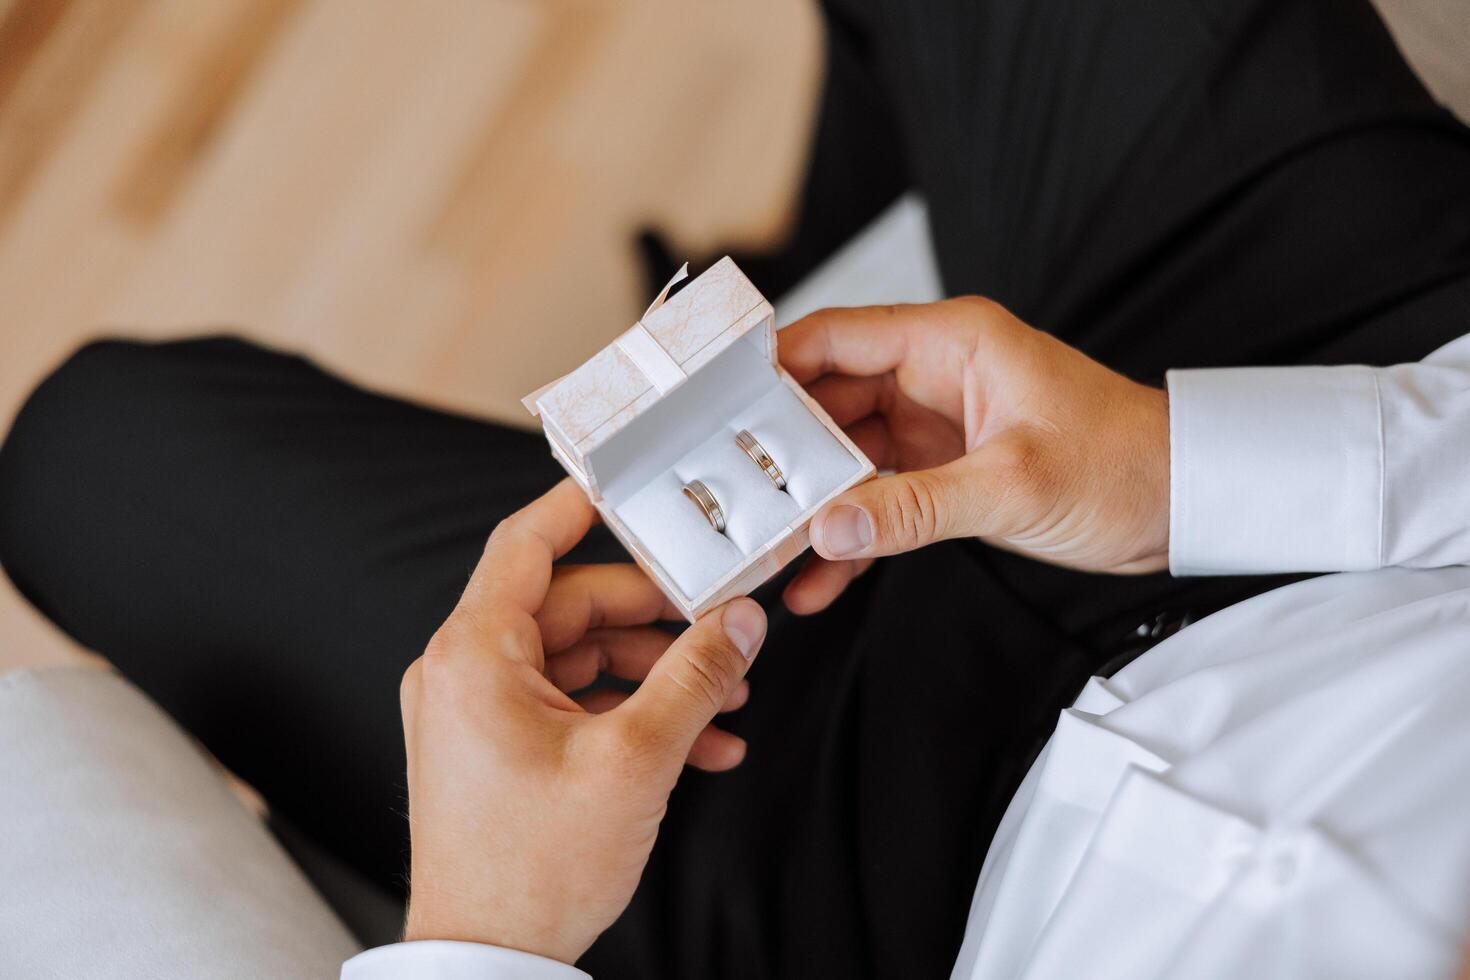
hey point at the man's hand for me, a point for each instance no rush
(532, 815)
(996, 431)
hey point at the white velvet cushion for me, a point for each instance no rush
(126, 855)
(674, 530)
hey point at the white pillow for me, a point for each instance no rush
(125, 853)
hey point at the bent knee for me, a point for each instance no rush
(88, 441)
(51, 457)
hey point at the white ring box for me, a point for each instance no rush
(661, 405)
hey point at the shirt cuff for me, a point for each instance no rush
(1274, 470)
(439, 959)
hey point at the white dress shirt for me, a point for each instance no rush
(1279, 790)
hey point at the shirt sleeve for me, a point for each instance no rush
(1319, 469)
(437, 959)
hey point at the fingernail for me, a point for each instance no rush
(846, 531)
(745, 624)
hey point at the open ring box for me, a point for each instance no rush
(662, 405)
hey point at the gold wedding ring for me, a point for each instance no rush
(696, 491)
(763, 459)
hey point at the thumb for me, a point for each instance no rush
(694, 678)
(899, 513)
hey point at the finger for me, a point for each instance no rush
(848, 399)
(713, 750)
(973, 496)
(626, 653)
(820, 582)
(873, 437)
(694, 679)
(860, 341)
(737, 699)
(510, 582)
(872, 340)
(716, 750)
(584, 597)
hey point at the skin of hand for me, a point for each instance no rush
(531, 814)
(994, 430)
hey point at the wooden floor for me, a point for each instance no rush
(436, 199)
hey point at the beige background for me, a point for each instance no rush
(438, 199)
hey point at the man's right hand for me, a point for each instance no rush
(996, 430)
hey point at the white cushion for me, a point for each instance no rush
(674, 529)
(125, 854)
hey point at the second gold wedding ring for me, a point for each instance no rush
(763, 459)
(696, 491)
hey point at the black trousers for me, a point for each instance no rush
(1165, 183)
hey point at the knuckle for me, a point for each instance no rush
(1021, 464)
(911, 513)
(442, 643)
(633, 741)
(982, 305)
(435, 676)
(823, 319)
(503, 530)
(985, 311)
(708, 673)
(989, 319)
(409, 686)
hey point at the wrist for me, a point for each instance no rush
(1148, 476)
(426, 921)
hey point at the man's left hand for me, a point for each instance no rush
(532, 814)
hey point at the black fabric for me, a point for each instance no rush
(264, 548)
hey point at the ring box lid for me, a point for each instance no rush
(581, 411)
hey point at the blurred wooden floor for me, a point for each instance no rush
(436, 199)
(439, 199)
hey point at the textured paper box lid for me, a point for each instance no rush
(672, 340)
